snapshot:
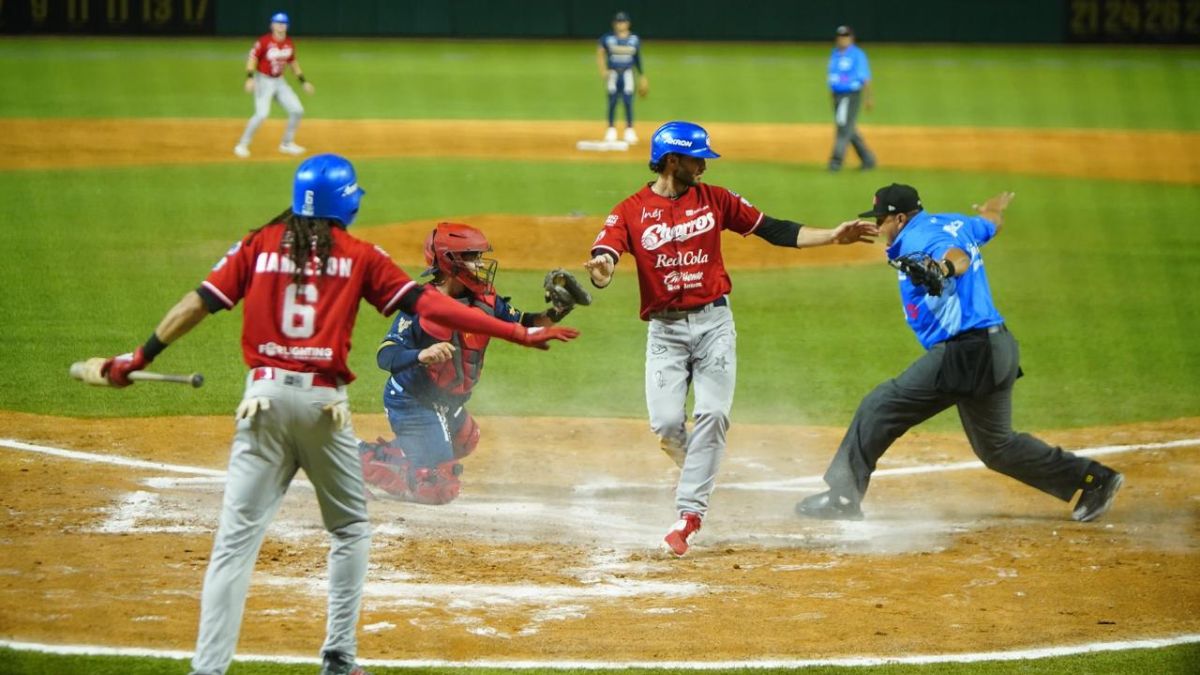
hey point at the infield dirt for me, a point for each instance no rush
(550, 552)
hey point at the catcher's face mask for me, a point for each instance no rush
(473, 270)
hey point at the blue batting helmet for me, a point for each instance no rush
(326, 187)
(279, 17)
(684, 138)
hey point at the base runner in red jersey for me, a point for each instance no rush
(672, 227)
(300, 278)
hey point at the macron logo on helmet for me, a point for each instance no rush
(678, 141)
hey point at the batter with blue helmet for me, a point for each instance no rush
(301, 278)
(672, 228)
(618, 55)
(971, 362)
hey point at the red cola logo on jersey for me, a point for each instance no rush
(660, 233)
(681, 259)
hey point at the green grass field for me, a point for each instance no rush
(1097, 278)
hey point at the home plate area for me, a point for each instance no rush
(552, 551)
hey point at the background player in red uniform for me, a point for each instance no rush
(672, 227)
(301, 277)
(433, 371)
(270, 56)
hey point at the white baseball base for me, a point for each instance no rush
(602, 146)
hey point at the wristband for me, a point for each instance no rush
(949, 268)
(249, 74)
(153, 347)
(301, 78)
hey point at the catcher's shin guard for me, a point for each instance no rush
(384, 466)
(467, 438)
(436, 485)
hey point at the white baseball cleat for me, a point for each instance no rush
(291, 149)
(611, 134)
(630, 135)
(241, 151)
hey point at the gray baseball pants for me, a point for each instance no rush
(295, 433)
(899, 404)
(845, 119)
(267, 88)
(696, 348)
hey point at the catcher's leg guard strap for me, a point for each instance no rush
(466, 438)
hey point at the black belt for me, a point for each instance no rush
(722, 301)
(980, 332)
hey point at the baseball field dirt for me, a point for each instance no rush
(54, 143)
(549, 553)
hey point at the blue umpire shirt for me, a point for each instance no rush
(966, 301)
(848, 70)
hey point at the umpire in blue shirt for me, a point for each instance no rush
(971, 362)
(850, 82)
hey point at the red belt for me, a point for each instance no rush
(282, 376)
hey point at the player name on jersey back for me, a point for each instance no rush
(336, 266)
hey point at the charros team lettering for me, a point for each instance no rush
(681, 259)
(296, 352)
(336, 266)
(660, 233)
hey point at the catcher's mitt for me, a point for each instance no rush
(921, 270)
(564, 292)
(643, 86)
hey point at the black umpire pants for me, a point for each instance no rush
(975, 372)
(845, 120)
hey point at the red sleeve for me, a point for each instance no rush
(739, 215)
(292, 56)
(257, 50)
(385, 283)
(231, 275)
(443, 311)
(614, 238)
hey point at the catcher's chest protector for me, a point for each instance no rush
(461, 373)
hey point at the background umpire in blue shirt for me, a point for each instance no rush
(850, 82)
(971, 362)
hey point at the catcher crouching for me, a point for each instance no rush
(434, 370)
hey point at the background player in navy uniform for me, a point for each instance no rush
(619, 53)
(434, 370)
(850, 82)
(972, 362)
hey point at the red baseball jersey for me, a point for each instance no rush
(273, 57)
(304, 326)
(676, 243)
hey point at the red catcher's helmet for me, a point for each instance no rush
(454, 250)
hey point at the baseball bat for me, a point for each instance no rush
(79, 371)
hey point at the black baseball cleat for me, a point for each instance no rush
(1100, 486)
(829, 505)
(338, 663)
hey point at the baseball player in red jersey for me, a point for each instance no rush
(301, 277)
(269, 58)
(672, 228)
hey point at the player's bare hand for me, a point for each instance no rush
(604, 75)
(539, 337)
(601, 270)
(309, 88)
(436, 353)
(249, 85)
(996, 204)
(855, 231)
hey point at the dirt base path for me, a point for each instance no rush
(1163, 156)
(549, 553)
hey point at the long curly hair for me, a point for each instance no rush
(304, 239)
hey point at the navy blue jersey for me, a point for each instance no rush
(966, 302)
(622, 53)
(449, 383)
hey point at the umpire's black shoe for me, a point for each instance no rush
(1100, 485)
(337, 663)
(829, 506)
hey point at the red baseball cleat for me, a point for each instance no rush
(678, 539)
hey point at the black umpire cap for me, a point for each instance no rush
(894, 198)
(620, 16)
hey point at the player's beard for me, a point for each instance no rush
(685, 178)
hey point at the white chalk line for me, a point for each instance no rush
(799, 484)
(915, 659)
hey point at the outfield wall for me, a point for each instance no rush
(974, 21)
